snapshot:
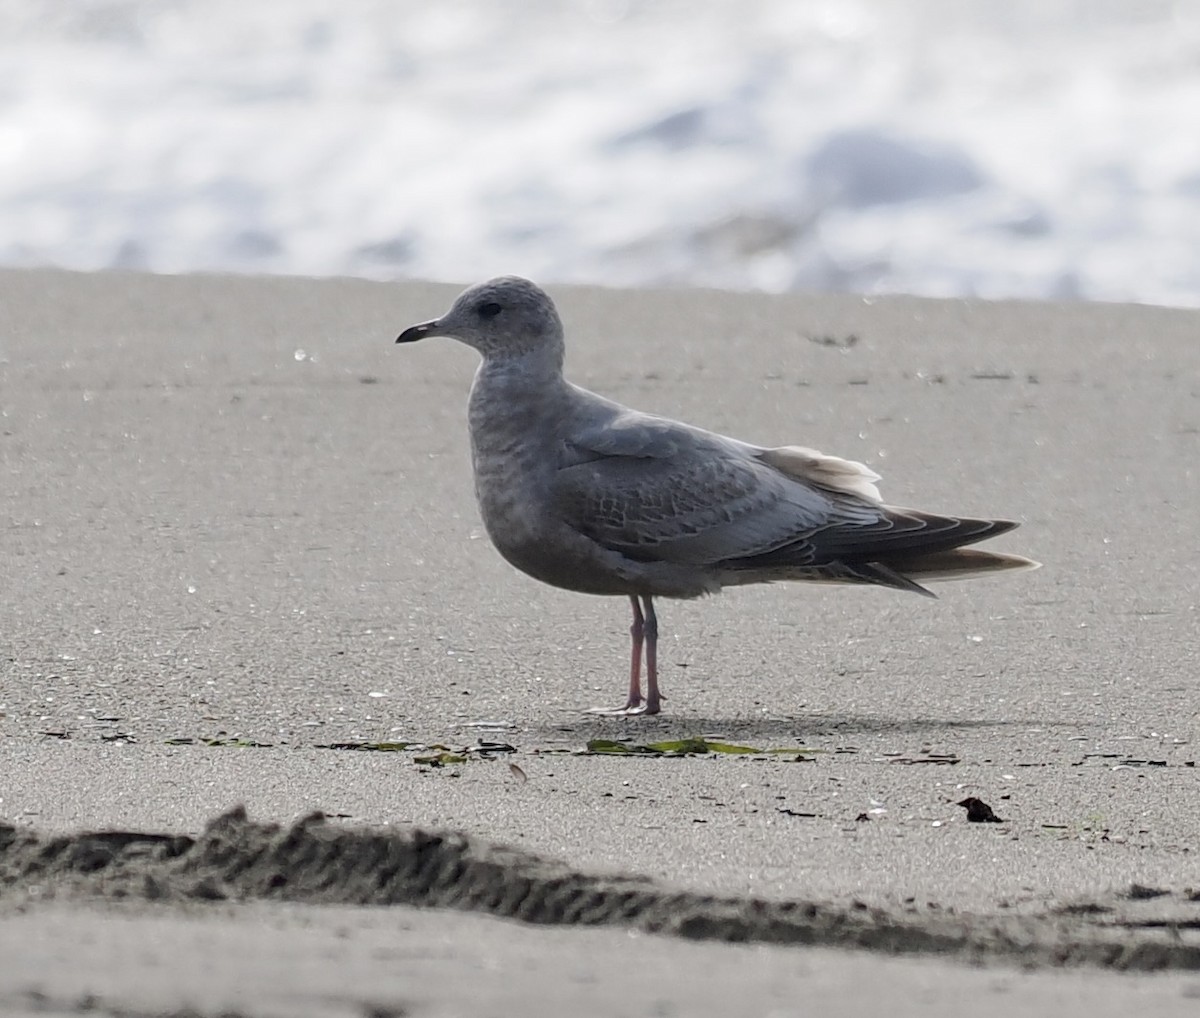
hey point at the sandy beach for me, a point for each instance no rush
(242, 564)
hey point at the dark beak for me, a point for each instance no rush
(415, 332)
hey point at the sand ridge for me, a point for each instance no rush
(314, 862)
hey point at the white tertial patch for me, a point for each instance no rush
(832, 472)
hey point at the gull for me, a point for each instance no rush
(588, 495)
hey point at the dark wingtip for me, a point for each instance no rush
(886, 575)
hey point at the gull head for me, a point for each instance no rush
(504, 317)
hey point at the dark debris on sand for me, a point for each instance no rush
(311, 861)
(979, 812)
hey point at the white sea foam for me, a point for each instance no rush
(947, 147)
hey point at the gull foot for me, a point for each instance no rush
(628, 711)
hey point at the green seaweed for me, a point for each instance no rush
(693, 746)
(217, 741)
(614, 748)
(239, 743)
(440, 759)
(368, 747)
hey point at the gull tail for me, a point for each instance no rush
(903, 572)
(954, 564)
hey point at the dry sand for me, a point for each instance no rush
(238, 530)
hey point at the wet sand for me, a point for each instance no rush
(242, 565)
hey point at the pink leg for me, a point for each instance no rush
(653, 697)
(636, 634)
(643, 633)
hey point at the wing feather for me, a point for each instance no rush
(651, 488)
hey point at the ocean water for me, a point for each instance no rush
(1046, 149)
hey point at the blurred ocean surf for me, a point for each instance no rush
(943, 147)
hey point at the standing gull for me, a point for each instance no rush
(585, 494)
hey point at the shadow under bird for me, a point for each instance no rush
(588, 495)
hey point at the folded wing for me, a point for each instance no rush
(654, 489)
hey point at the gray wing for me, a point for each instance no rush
(655, 489)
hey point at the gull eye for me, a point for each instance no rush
(489, 310)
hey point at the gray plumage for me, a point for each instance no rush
(585, 494)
